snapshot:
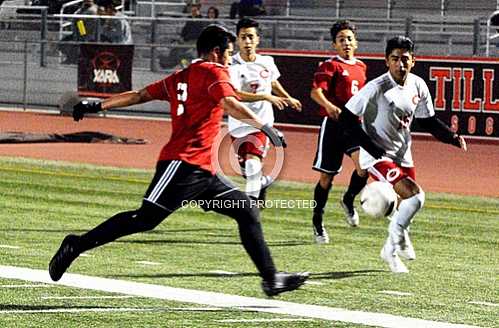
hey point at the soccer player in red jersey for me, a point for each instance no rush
(198, 95)
(335, 81)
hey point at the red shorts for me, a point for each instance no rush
(390, 172)
(254, 143)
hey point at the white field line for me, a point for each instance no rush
(9, 246)
(224, 300)
(318, 283)
(264, 320)
(394, 292)
(26, 286)
(148, 263)
(483, 303)
(222, 272)
(85, 297)
(65, 310)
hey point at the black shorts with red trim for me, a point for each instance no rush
(332, 144)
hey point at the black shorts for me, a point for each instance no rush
(332, 143)
(176, 183)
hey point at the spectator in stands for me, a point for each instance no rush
(251, 8)
(113, 30)
(192, 28)
(184, 53)
(83, 30)
(213, 12)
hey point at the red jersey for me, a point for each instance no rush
(340, 79)
(194, 94)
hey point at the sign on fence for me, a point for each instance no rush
(104, 69)
(465, 91)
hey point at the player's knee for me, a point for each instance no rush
(420, 198)
(252, 167)
(148, 216)
(326, 180)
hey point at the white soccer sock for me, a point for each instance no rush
(253, 168)
(407, 209)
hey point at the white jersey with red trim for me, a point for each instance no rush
(254, 77)
(387, 110)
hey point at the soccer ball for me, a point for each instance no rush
(378, 199)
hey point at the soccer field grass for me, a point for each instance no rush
(454, 278)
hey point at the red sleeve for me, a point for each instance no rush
(219, 85)
(323, 76)
(158, 90)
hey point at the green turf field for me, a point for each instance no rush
(454, 279)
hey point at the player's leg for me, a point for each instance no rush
(251, 151)
(358, 181)
(253, 171)
(398, 242)
(237, 205)
(321, 195)
(328, 160)
(163, 196)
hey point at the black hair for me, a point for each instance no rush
(214, 35)
(215, 10)
(105, 3)
(246, 23)
(340, 26)
(399, 42)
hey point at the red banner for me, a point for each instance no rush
(465, 91)
(104, 69)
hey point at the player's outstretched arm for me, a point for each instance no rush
(279, 90)
(239, 111)
(124, 99)
(442, 132)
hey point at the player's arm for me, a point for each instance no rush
(124, 99)
(317, 95)
(279, 102)
(442, 132)
(279, 90)
(239, 111)
(351, 124)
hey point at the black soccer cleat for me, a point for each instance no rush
(284, 282)
(65, 255)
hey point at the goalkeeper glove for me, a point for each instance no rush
(84, 107)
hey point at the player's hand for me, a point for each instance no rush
(462, 142)
(275, 136)
(278, 102)
(293, 103)
(84, 107)
(333, 112)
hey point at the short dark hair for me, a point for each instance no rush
(399, 42)
(106, 3)
(340, 26)
(215, 10)
(246, 23)
(214, 35)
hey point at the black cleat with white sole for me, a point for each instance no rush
(284, 282)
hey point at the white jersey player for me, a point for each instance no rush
(255, 78)
(387, 106)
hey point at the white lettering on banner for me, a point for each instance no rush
(106, 76)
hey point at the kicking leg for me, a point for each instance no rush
(147, 217)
